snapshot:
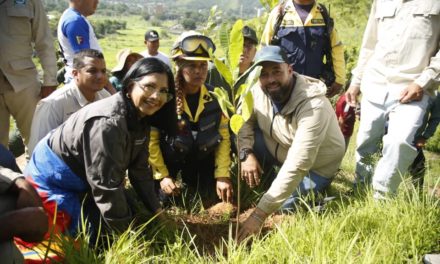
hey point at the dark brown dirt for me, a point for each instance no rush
(213, 227)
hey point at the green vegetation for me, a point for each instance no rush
(133, 37)
(434, 142)
(106, 27)
(353, 228)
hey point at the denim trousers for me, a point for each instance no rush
(312, 182)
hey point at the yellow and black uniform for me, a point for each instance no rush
(200, 150)
(305, 42)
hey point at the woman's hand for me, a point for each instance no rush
(169, 187)
(224, 189)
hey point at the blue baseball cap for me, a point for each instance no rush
(270, 53)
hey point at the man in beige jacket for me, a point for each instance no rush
(300, 131)
(23, 30)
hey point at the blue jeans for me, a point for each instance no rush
(313, 182)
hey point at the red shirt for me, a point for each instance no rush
(346, 116)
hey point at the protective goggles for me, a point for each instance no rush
(196, 45)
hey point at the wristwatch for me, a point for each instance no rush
(244, 153)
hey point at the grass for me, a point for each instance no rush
(353, 228)
(133, 37)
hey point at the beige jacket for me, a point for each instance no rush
(304, 136)
(23, 25)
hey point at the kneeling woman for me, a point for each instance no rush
(200, 149)
(83, 162)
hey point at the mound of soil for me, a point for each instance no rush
(217, 224)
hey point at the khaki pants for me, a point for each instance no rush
(21, 105)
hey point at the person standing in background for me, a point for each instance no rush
(397, 71)
(75, 33)
(306, 32)
(250, 42)
(153, 44)
(23, 29)
(125, 59)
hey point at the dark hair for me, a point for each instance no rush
(78, 58)
(119, 74)
(179, 80)
(164, 119)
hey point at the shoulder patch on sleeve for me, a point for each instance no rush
(79, 40)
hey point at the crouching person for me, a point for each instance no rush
(80, 167)
(19, 202)
(300, 131)
(200, 150)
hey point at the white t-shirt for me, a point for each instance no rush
(160, 55)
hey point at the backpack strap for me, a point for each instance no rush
(281, 13)
(328, 74)
(329, 22)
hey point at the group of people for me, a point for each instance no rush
(153, 122)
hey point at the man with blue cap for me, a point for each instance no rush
(300, 132)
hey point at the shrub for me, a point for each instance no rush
(434, 142)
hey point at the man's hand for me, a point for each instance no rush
(251, 171)
(420, 142)
(45, 91)
(168, 186)
(252, 225)
(27, 195)
(411, 93)
(352, 94)
(333, 90)
(224, 189)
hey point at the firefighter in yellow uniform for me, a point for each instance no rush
(200, 149)
(23, 29)
(306, 32)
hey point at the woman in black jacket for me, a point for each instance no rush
(89, 154)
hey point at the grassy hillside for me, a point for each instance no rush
(133, 37)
